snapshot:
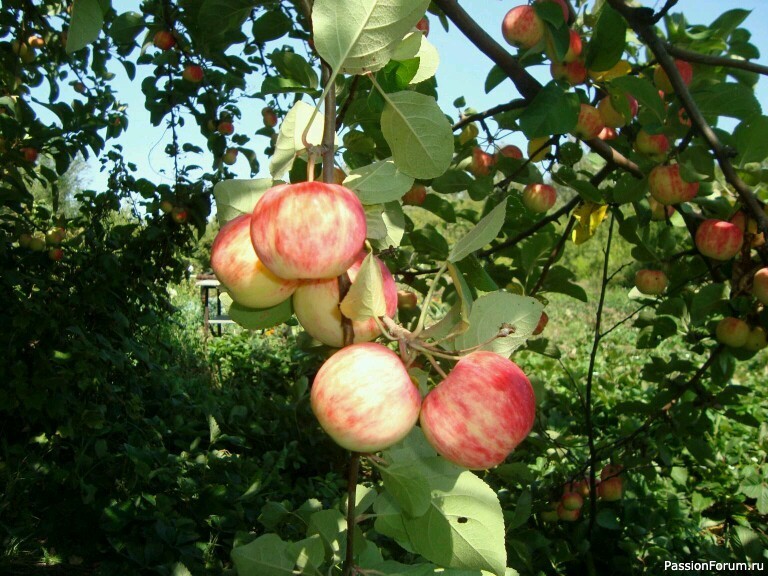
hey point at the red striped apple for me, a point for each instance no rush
(192, 73)
(571, 500)
(661, 79)
(482, 410)
(316, 304)
(568, 515)
(308, 230)
(589, 124)
(511, 151)
(415, 196)
(364, 399)
(655, 146)
(164, 39)
(225, 127)
(612, 118)
(539, 197)
(522, 27)
(238, 268)
(732, 332)
(482, 162)
(667, 186)
(760, 285)
(718, 239)
(651, 282)
(660, 212)
(574, 73)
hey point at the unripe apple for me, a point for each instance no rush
(364, 399)
(563, 6)
(651, 282)
(534, 145)
(539, 197)
(667, 186)
(37, 244)
(611, 489)
(568, 515)
(543, 321)
(549, 514)
(660, 212)
(571, 500)
(164, 40)
(756, 340)
(719, 239)
(661, 79)
(225, 127)
(760, 285)
(55, 236)
(192, 73)
(482, 162)
(482, 410)
(316, 305)
(612, 118)
(269, 117)
(415, 196)
(25, 52)
(511, 151)
(55, 254)
(406, 300)
(179, 214)
(589, 124)
(25, 239)
(748, 226)
(423, 26)
(166, 206)
(575, 46)
(230, 156)
(29, 153)
(655, 146)
(732, 332)
(238, 268)
(572, 72)
(522, 27)
(308, 230)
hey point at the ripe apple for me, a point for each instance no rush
(423, 26)
(364, 399)
(482, 410)
(612, 118)
(166, 206)
(55, 254)
(522, 27)
(655, 146)
(572, 72)
(732, 332)
(415, 196)
(661, 79)
(179, 214)
(238, 268)
(543, 321)
(756, 340)
(539, 197)
(667, 186)
(29, 153)
(230, 156)
(748, 226)
(611, 489)
(608, 134)
(225, 127)
(589, 124)
(482, 162)
(164, 40)
(534, 145)
(406, 300)
(568, 515)
(269, 117)
(308, 230)
(651, 282)
(760, 285)
(36, 41)
(316, 305)
(718, 239)
(563, 5)
(571, 500)
(192, 73)
(511, 151)
(660, 212)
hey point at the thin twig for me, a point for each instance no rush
(513, 105)
(711, 60)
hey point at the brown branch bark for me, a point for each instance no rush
(709, 60)
(513, 105)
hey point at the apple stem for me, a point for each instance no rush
(428, 300)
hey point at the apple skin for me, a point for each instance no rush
(659, 212)
(316, 305)
(760, 286)
(522, 27)
(572, 72)
(756, 340)
(612, 118)
(511, 151)
(718, 239)
(480, 412)
(415, 196)
(539, 197)
(549, 514)
(482, 162)
(55, 254)
(364, 399)
(179, 214)
(225, 127)
(423, 26)
(230, 156)
(572, 500)
(749, 227)
(655, 146)
(55, 236)
(667, 187)
(25, 239)
(575, 47)
(608, 134)
(269, 117)
(732, 332)
(610, 490)
(37, 244)
(534, 145)
(192, 73)
(589, 124)
(568, 515)
(166, 206)
(238, 268)
(308, 230)
(164, 40)
(30, 154)
(661, 79)
(651, 282)
(406, 300)
(543, 321)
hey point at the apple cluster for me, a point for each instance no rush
(610, 488)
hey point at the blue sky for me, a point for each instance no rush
(462, 72)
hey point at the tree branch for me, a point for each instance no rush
(708, 60)
(513, 105)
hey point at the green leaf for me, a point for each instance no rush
(260, 318)
(495, 77)
(454, 180)
(407, 485)
(707, 301)
(294, 67)
(236, 197)
(289, 141)
(751, 143)
(387, 222)
(229, 15)
(331, 526)
(481, 235)
(608, 519)
(522, 510)
(728, 21)
(439, 207)
(727, 99)
(418, 133)
(758, 491)
(306, 555)
(646, 94)
(429, 241)
(180, 570)
(389, 520)
(552, 111)
(265, 556)
(608, 40)
(494, 311)
(360, 37)
(271, 26)
(125, 27)
(379, 182)
(87, 19)
(416, 46)
(365, 298)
